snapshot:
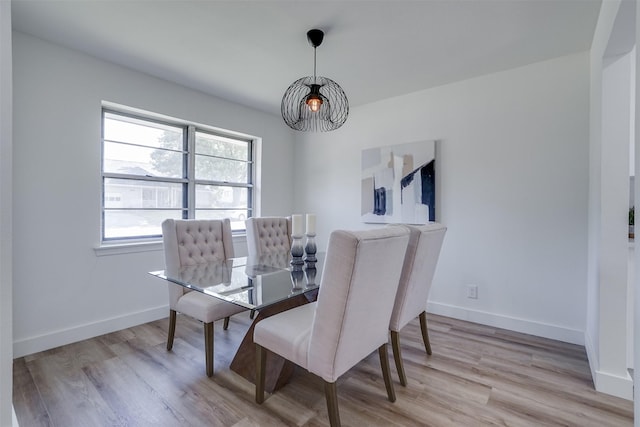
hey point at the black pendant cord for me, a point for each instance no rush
(314, 65)
(326, 111)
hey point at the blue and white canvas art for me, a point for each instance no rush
(398, 183)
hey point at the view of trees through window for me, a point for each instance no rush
(153, 171)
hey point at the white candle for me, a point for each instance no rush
(296, 225)
(311, 224)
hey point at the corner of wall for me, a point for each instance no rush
(592, 355)
(614, 385)
(605, 382)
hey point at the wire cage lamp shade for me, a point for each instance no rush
(315, 103)
(330, 115)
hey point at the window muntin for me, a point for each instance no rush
(221, 159)
(127, 129)
(147, 177)
(221, 170)
(217, 146)
(135, 223)
(135, 160)
(218, 201)
(236, 216)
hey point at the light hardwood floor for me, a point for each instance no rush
(477, 376)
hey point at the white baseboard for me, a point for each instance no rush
(539, 329)
(14, 419)
(615, 385)
(54, 339)
(591, 355)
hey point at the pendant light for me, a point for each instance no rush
(316, 104)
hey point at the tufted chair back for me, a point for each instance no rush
(279, 259)
(190, 242)
(357, 290)
(208, 274)
(269, 234)
(419, 267)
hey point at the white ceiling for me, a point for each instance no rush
(250, 51)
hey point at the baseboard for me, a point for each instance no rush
(590, 348)
(525, 326)
(615, 385)
(14, 419)
(54, 339)
(604, 382)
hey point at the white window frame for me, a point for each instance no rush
(188, 181)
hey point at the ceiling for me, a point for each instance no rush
(250, 51)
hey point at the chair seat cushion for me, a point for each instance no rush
(205, 307)
(287, 333)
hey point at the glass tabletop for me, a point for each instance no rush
(251, 283)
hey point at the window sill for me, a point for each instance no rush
(127, 248)
(130, 248)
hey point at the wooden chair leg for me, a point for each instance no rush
(208, 347)
(331, 394)
(425, 333)
(386, 372)
(261, 363)
(397, 357)
(225, 325)
(172, 329)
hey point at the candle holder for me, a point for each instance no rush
(297, 279)
(311, 249)
(297, 251)
(311, 272)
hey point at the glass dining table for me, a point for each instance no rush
(251, 283)
(267, 285)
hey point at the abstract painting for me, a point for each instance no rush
(398, 183)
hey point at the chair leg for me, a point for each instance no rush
(225, 325)
(172, 329)
(331, 394)
(397, 357)
(208, 347)
(261, 363)
(386, 372)
(425, 333)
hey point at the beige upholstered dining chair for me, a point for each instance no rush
(419, 267)
(350, 318)
(266, 235)
(189, 243)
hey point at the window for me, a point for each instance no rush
(153, 170)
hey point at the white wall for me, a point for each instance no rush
(614, 259)
(609, 124)
(636, 189)
(6, 320)
(63, 292)
(512, 182)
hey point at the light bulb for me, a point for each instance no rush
(314, 103)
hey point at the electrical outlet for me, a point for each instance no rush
(472, 291)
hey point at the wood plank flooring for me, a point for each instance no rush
(477, 376)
